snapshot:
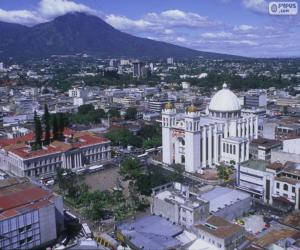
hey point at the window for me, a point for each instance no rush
(285, 187)
(183, 218)
(29, 239)
(293, 189)
(28, 227)
(21, 229)
(277, 185)
(22, 241)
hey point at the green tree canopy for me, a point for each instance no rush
(130, 168)
(131, 113)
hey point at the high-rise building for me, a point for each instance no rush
(170, 60)
(139, 70)
(30, 215)
(204, 141)
(113, 63)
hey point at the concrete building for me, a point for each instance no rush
(288, 130)
(290, 152)
(227, 203)
(148, 233)
(275, 183)
(220, 233)
(260, 149)
(176, 203)
(255, 100)
(30, 215)
(170, 60)
(139, 69)
(251, 177)
(78, 92)
(198, 141)
(157, 103)
(78, 150)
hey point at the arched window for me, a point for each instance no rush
(285, 187)
(182, 159)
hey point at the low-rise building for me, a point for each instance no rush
(148, 233)
(78, 149)
(220, 233)
(226, 202)
(260, 149)
(290, 151)
(176, 203)
(275, 183)
(30, 215)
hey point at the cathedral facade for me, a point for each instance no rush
(198, 141)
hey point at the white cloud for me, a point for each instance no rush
(54, 8)
(216, 35)
(168, 31)
(180, 39)
(178, 18)
(259, 6)
(20, 16)
(175, 14)
(46, 10)
(243, 27)
(242, 42)
(124, 23)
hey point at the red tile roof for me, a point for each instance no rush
(20, 197)
(19, 147)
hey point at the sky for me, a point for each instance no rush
(240, 27)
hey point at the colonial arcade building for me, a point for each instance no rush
(198, 141)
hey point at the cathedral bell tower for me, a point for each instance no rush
(168, 121)
(192, 140)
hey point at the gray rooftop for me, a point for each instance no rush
(221, 197)
(256, 164)
(151, 232)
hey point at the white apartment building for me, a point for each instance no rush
(274, 183)
(176, 203)
(78, 92)
(204, 141)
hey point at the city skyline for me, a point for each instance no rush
(223, 26)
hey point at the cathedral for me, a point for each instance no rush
(203, 141)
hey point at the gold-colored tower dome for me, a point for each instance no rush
(191, 109)
(169, 105)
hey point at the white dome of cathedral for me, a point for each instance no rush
(224, 101)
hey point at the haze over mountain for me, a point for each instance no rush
(82, 33)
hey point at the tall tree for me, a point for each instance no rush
(47, 125)
(55, 128)
(131, 113)
(38, 131)
(61, 125)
